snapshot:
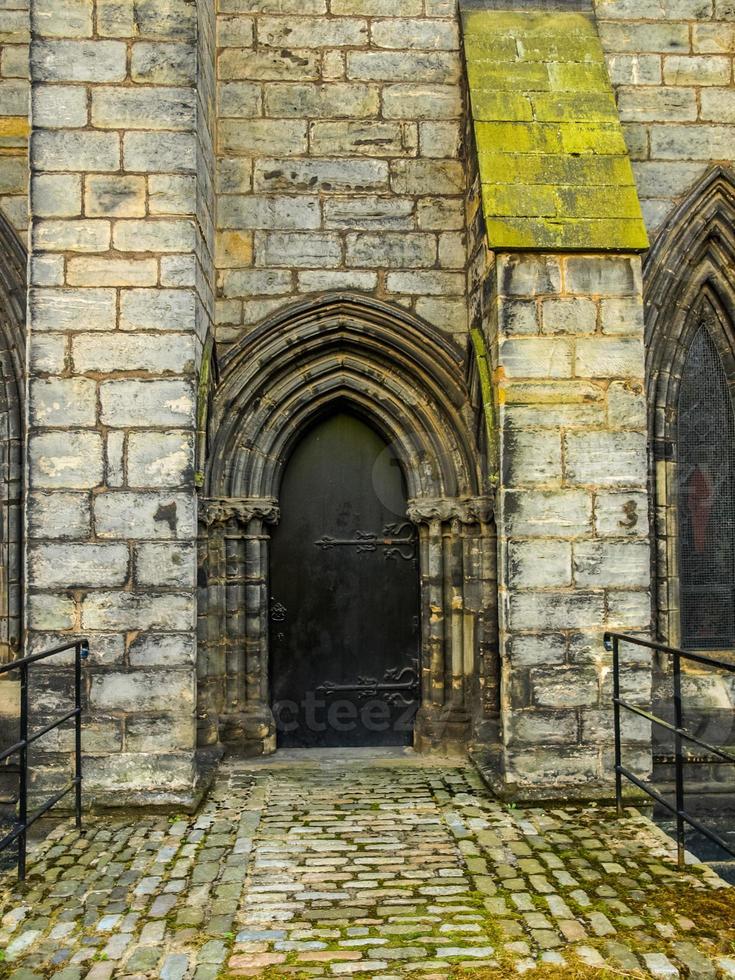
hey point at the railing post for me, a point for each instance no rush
(23, 778)
(679, 761)
(80, 651)
(616, 718)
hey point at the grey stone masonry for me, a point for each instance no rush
(14, 100)
(671, 64)
(567, 340)
(119, 308)
(339, 157)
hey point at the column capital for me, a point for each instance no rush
(219, 510)
(466, 510)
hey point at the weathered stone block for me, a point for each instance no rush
(575, 315)
(79, 61)
(620, 513)
(607, 357)
(62, 402)
(605, 276)
(411, 101)
(626, 405)
(680, 142)
(123, 514)
(628, 611)
(240, 99)
(166, 565)
(71, 565)
(59, 106)
(392, 250)
(316, 250)
(50, 612)
(256, 282)
(622, 315)
(150, 108)
(531, 457)
(172, 153)
(79, 235)
(68, 459)
(147, 403)
(551, 610)
(534, 564)
(48, 354)
(440, 214)
(157, 63)
(312, 32)
(611, 563)
(532, 650)
(331, 100)
(277, 65)
(160, 459)
(56, 196)
(157, 309)
(319, 280)
(162, 650)
(74, 150)
(59, 515)
(159, 235)
(440, 139)
(696, 70)
(169, 353)
(139, 690)
(606, 458)
(262, 137)
(114, 196)
(373, 138)
(74, 19)
(115, 18)
(528, 275)
(448, 314)
(565, 687)
(428, 283)
(251, 212)
(160, 733)
(550, 513)
(403, 66)
(434, 176)
(534, 357)
(371, 212)
(234, 32)
(533, 727)
(103, 271)
(321, 175)
(405, 33)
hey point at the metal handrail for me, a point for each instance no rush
(612, 643)
(24, 821)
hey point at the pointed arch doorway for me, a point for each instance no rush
(344, 592)
(278, 446)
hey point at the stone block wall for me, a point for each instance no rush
(14, 100)
(121, 231)
(671, 64)
(339, 158)
(572, 511)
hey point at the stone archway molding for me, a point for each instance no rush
(405, 379)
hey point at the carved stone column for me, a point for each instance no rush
(449, 622)
(238, 600)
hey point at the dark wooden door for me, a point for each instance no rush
(344, 593)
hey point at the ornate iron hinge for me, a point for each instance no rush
(400, 685)
(396, 546)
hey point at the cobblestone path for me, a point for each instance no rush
(340, 864)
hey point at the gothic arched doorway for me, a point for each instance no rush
(403, 383)
(344, 613)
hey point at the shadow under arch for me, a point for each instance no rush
(689, 283)
(406, 380)
(13, 281)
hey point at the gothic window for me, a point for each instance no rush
(706, 498)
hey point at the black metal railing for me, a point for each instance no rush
(612, 642)
(20, 748)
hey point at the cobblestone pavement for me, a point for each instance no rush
(338, 864)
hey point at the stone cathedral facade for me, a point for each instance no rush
(371, 351)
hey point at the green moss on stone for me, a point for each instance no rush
(553, 163)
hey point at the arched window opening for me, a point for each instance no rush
(706, 498)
